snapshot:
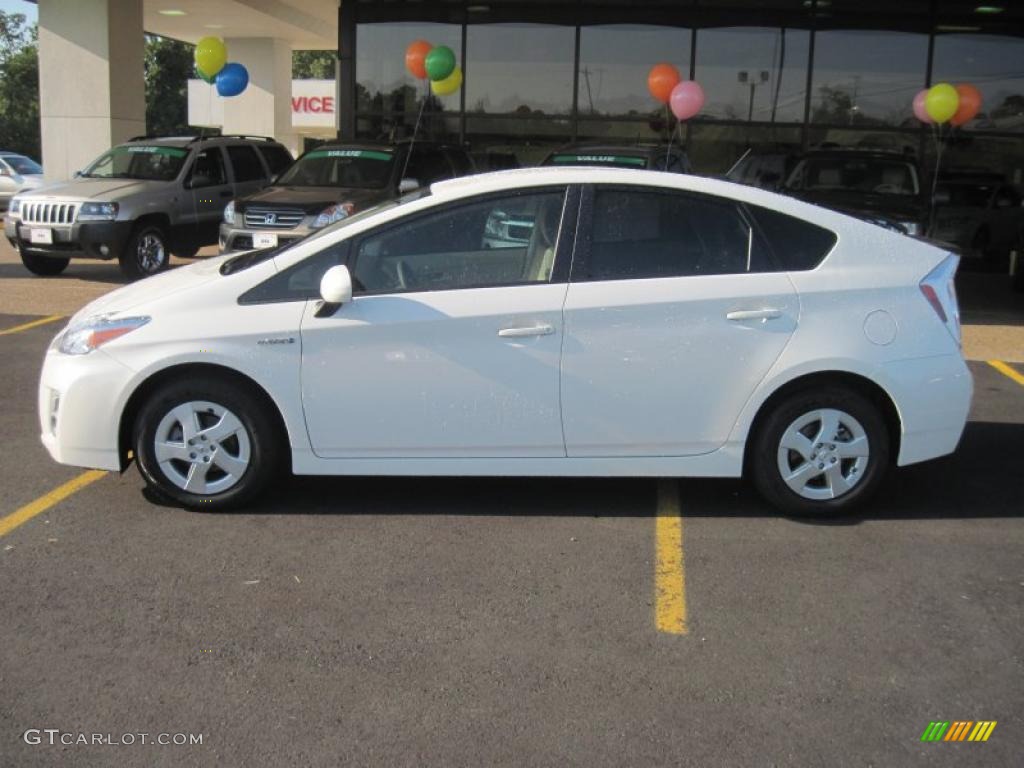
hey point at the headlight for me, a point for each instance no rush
(94, 332)
(97, 212)
(14, 206)
(229, 213)
(333, 214)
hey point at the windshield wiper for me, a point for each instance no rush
(248, 259)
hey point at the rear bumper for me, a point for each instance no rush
(78, 240)
(933, 398)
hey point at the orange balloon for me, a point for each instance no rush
(970, 104)
(661, 80)
(415, 57)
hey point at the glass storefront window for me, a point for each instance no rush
(753, 73)
(615, 60)
(498, 143)
(519, 69)
(992, 63)
(864, 78)
(382, 82)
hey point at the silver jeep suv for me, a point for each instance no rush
(141, 201)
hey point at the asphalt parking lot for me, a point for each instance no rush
(507, 622)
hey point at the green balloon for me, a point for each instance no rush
(205, 77)
(440, 62)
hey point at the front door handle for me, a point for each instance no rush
(533, 330)
(754, 314)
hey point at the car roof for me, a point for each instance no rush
(637, 150)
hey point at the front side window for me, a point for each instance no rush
(137, 161)
(507, 239)
(638, 233)
(208, 169)
(246, 163)
(427, 166)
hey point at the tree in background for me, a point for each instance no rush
(313, 65)
(168, 66)
(19, 86)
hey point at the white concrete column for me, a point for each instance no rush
(265, 107)
(91, 90)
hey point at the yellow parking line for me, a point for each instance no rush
(1006, 370)
(43, 503)
(669, 573)
(33, 324)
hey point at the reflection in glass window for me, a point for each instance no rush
(382, 81)
(615, 60)
(751, 73)
(995, 65)
(519, 68)
(867, 77)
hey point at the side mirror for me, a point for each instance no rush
(408, 185)
(76, 174)
(335, 289)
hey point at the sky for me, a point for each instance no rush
(31, 10)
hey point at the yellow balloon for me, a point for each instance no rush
(211, 55)
(941, 102)
(449, 85)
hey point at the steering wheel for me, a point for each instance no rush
(401, 272)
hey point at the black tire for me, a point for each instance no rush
(1018, 276)
(766, 459)
(46, 266)
(186, 253)
(264, 442)
(145, 253)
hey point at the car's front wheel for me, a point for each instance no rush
(207, 443)
(821, 451)
(145, 253)
(46, 266)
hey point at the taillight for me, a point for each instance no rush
(939, 290)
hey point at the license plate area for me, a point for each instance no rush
(264, 240)
(40, 236)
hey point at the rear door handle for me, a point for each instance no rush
(533, 330)
(754, 314)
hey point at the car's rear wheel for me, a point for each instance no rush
(145, 253)
(46, 266)
(821, 452)
(206, 444)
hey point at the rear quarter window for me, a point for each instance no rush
(796, 244)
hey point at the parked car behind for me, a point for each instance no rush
(141, 201)
(883, 188)
(332, 182)
(985, 218)
(652, 157)
(767, 169)
(658, 325)
(17, 174)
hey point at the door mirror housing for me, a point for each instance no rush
(408, 185)
(336, 287)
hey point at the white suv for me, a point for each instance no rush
(652, 324)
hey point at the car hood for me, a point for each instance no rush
(150, 289)
(88, 189)
(313, 199)
(866, 205)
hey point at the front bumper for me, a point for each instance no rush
(80, 404)
(236, 238)
(88, 239)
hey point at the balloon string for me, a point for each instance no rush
(937, 135)
(415, 130)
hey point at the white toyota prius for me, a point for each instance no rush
(556, 321)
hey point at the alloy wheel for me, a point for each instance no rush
(202, 447)
(823, 454)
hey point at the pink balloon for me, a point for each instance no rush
(919, 109)
(686, 100)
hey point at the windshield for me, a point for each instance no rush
(968, 195)
(358, 168)
(855, 174)
(22, 165)
(611, 160)
(136, 161)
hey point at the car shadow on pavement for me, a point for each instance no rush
(983, 479)
(94, 273)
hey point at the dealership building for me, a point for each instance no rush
(776, 73)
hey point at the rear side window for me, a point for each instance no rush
(796, 244)
(277, 158)
(246, 163)
(637, 233)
